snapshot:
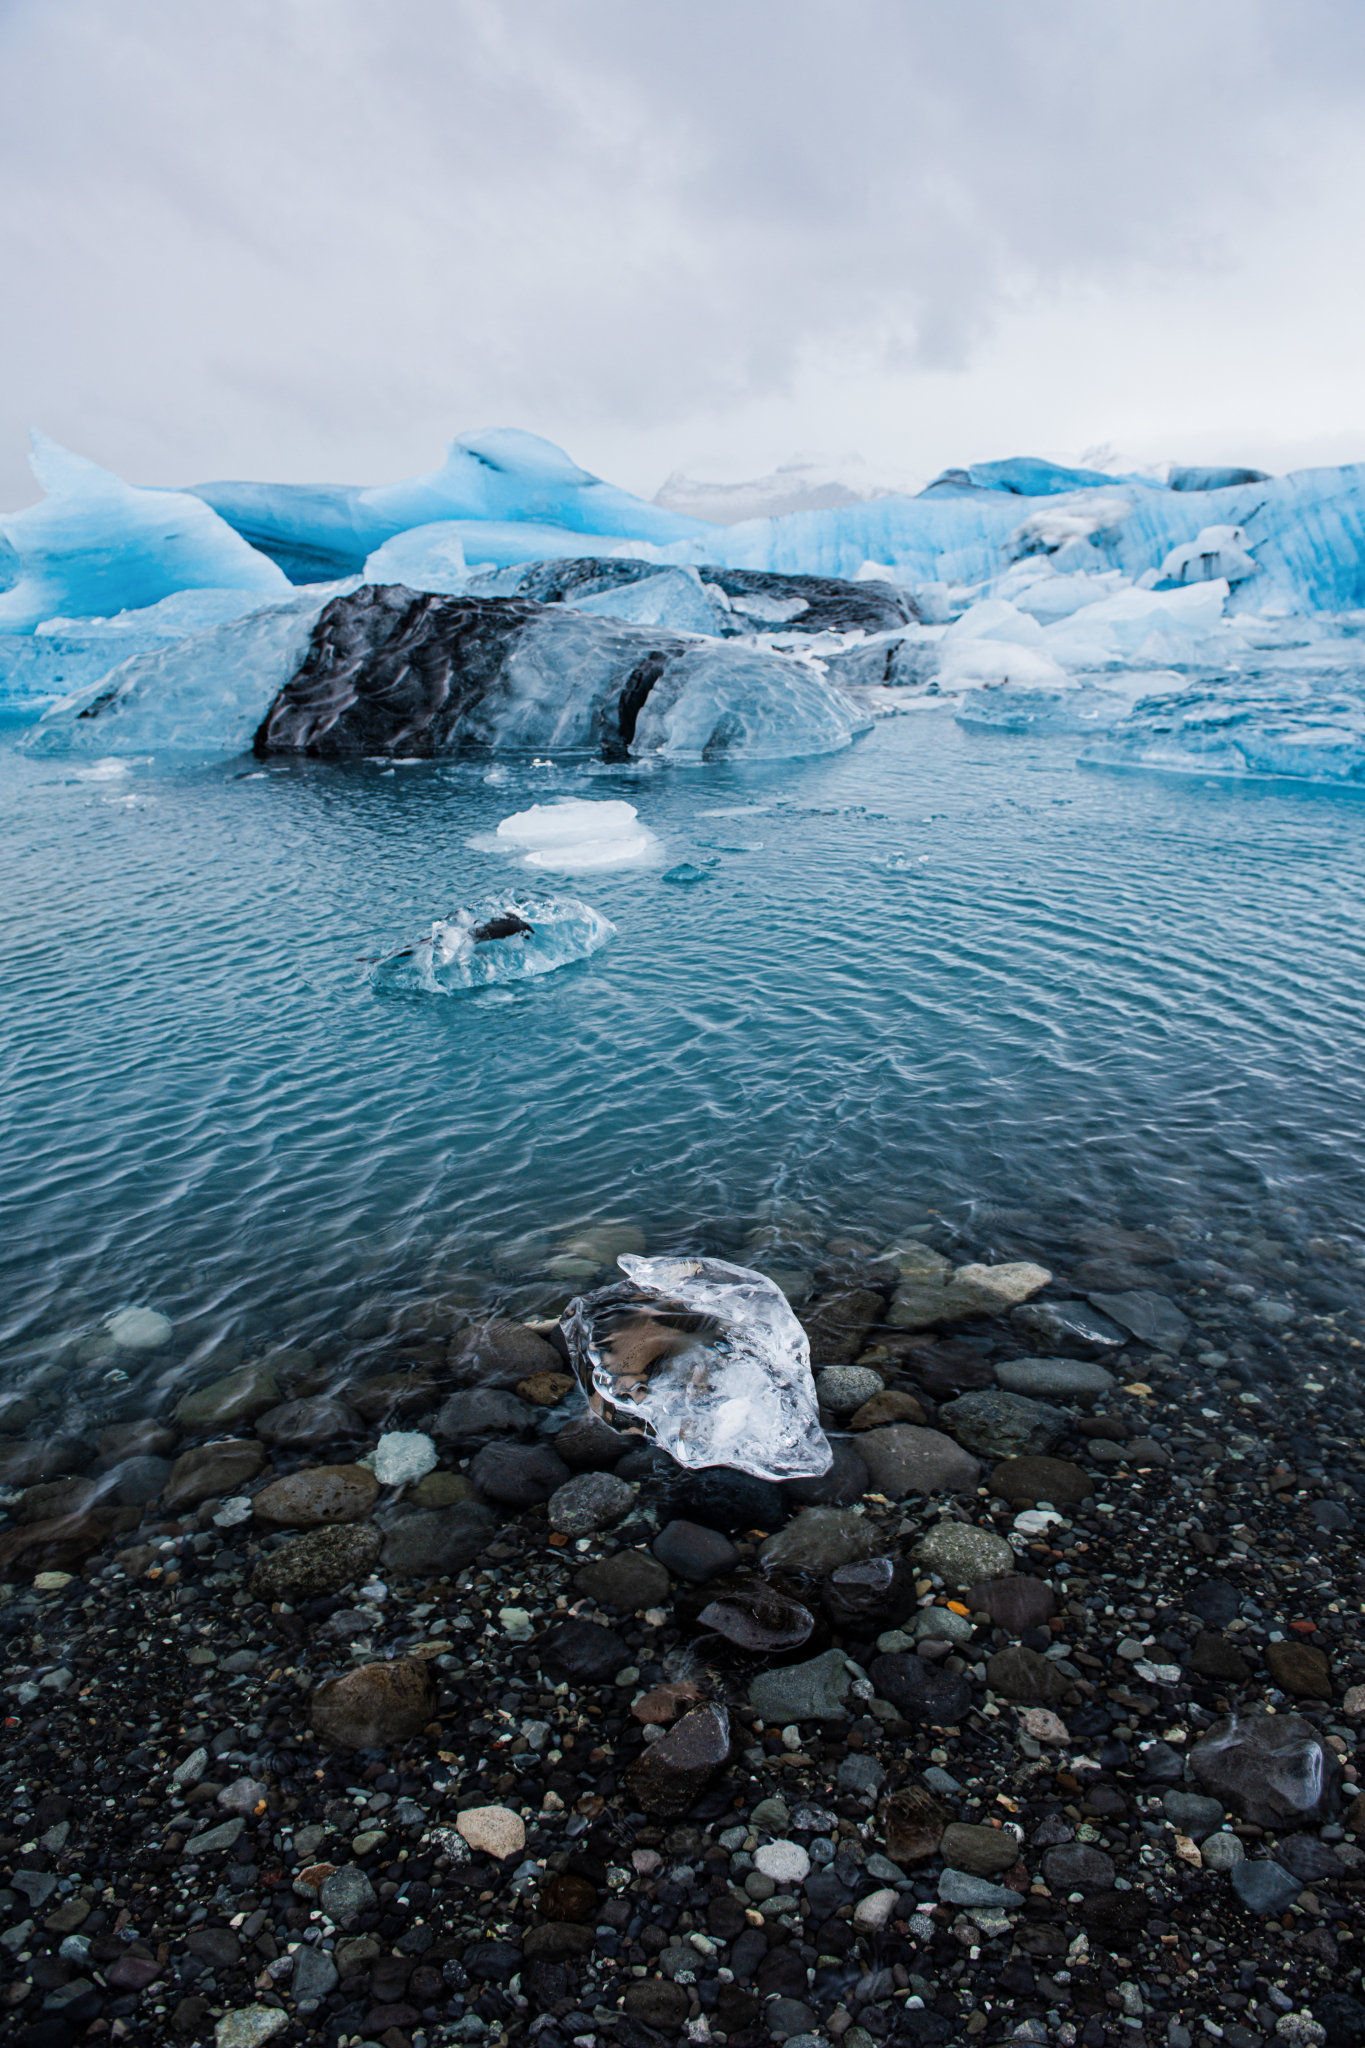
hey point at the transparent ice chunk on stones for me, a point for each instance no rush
(500, 940)
(708, 1359)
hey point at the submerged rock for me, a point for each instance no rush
(877, 1593)
(326, 1493)
(814, 1691)
(1272, 1769)
(439, 1541)
(903, 1459)
(668, 1776)
(321, 1562)
(517, 1475)
(1001, 1425)
(374, 1706)
(757, 1618)
(819, 1540)
(1055, 1379)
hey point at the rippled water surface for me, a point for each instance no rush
(940, 971)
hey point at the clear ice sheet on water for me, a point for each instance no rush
(708, 1359)
(500, 940)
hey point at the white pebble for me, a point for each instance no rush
(783, 1862)
(874, 1911)
(403, 1454)
(233, 1511)
(495, 1830)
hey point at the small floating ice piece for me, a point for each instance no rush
(577, 835)
(139, 1329)
(709, 1358)
(498, 941)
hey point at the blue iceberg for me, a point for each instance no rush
(316, 532)
(97, 546)
(502, 940)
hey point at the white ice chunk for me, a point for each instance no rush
(96, 546)
(468, 950)
(139, 1329)
(709, 1359)
(577, 835)
(995, 618)
(1215, 551)
(1140, 625)
(402, 1455)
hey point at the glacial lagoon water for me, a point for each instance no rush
(938, 974)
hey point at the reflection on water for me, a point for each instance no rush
(943, 982)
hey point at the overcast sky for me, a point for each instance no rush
(312, 239)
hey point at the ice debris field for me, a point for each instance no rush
(1203, 622)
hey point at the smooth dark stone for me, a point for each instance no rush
(1214, 1657)
(759, 1619)
(995, 1424)
(692, 1552)
(868, 1597)
(1214, 1601)
(1070, 1326)
(517, 1475)
(1020, 1674)
(627, 1581)
(1013, 1603)
(846, 1481)
(719, 1498)
(667, 1777)
(921, 1692)
(1272, 1769)
(1264, 1887)
(441, 1541)
(582, 1653)
(1304, 1856)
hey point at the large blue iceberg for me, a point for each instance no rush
(1028, 596)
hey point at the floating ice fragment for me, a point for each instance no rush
(139, 1329)
(498, 941)
(577, 835)
(709, 1359)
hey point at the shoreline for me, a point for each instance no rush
(168, 1678)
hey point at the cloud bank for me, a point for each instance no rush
(312, 239)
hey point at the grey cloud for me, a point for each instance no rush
(315, 237)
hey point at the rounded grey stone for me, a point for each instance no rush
(1222, 1851)
(590, 1500)
(842, 1388)
(1056, 1379)
(961, 1554)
